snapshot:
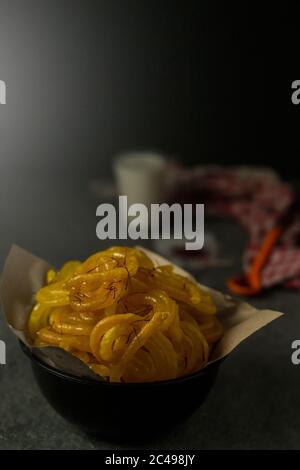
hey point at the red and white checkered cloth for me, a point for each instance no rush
(255, 198)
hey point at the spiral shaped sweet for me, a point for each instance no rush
(127, 319)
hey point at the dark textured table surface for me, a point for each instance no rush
(255, 402)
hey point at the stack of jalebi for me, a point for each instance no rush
(127, 319)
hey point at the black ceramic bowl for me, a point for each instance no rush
(122, 410)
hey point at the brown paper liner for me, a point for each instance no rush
(24, 273)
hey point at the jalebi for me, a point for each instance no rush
(127, 319)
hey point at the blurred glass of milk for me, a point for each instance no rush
(141, 176)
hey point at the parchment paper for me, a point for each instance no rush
(24, 273)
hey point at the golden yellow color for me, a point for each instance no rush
(127, 319)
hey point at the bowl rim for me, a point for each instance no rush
(88, 381)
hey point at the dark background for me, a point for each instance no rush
(207, 81)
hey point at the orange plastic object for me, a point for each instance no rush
(250, 283)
